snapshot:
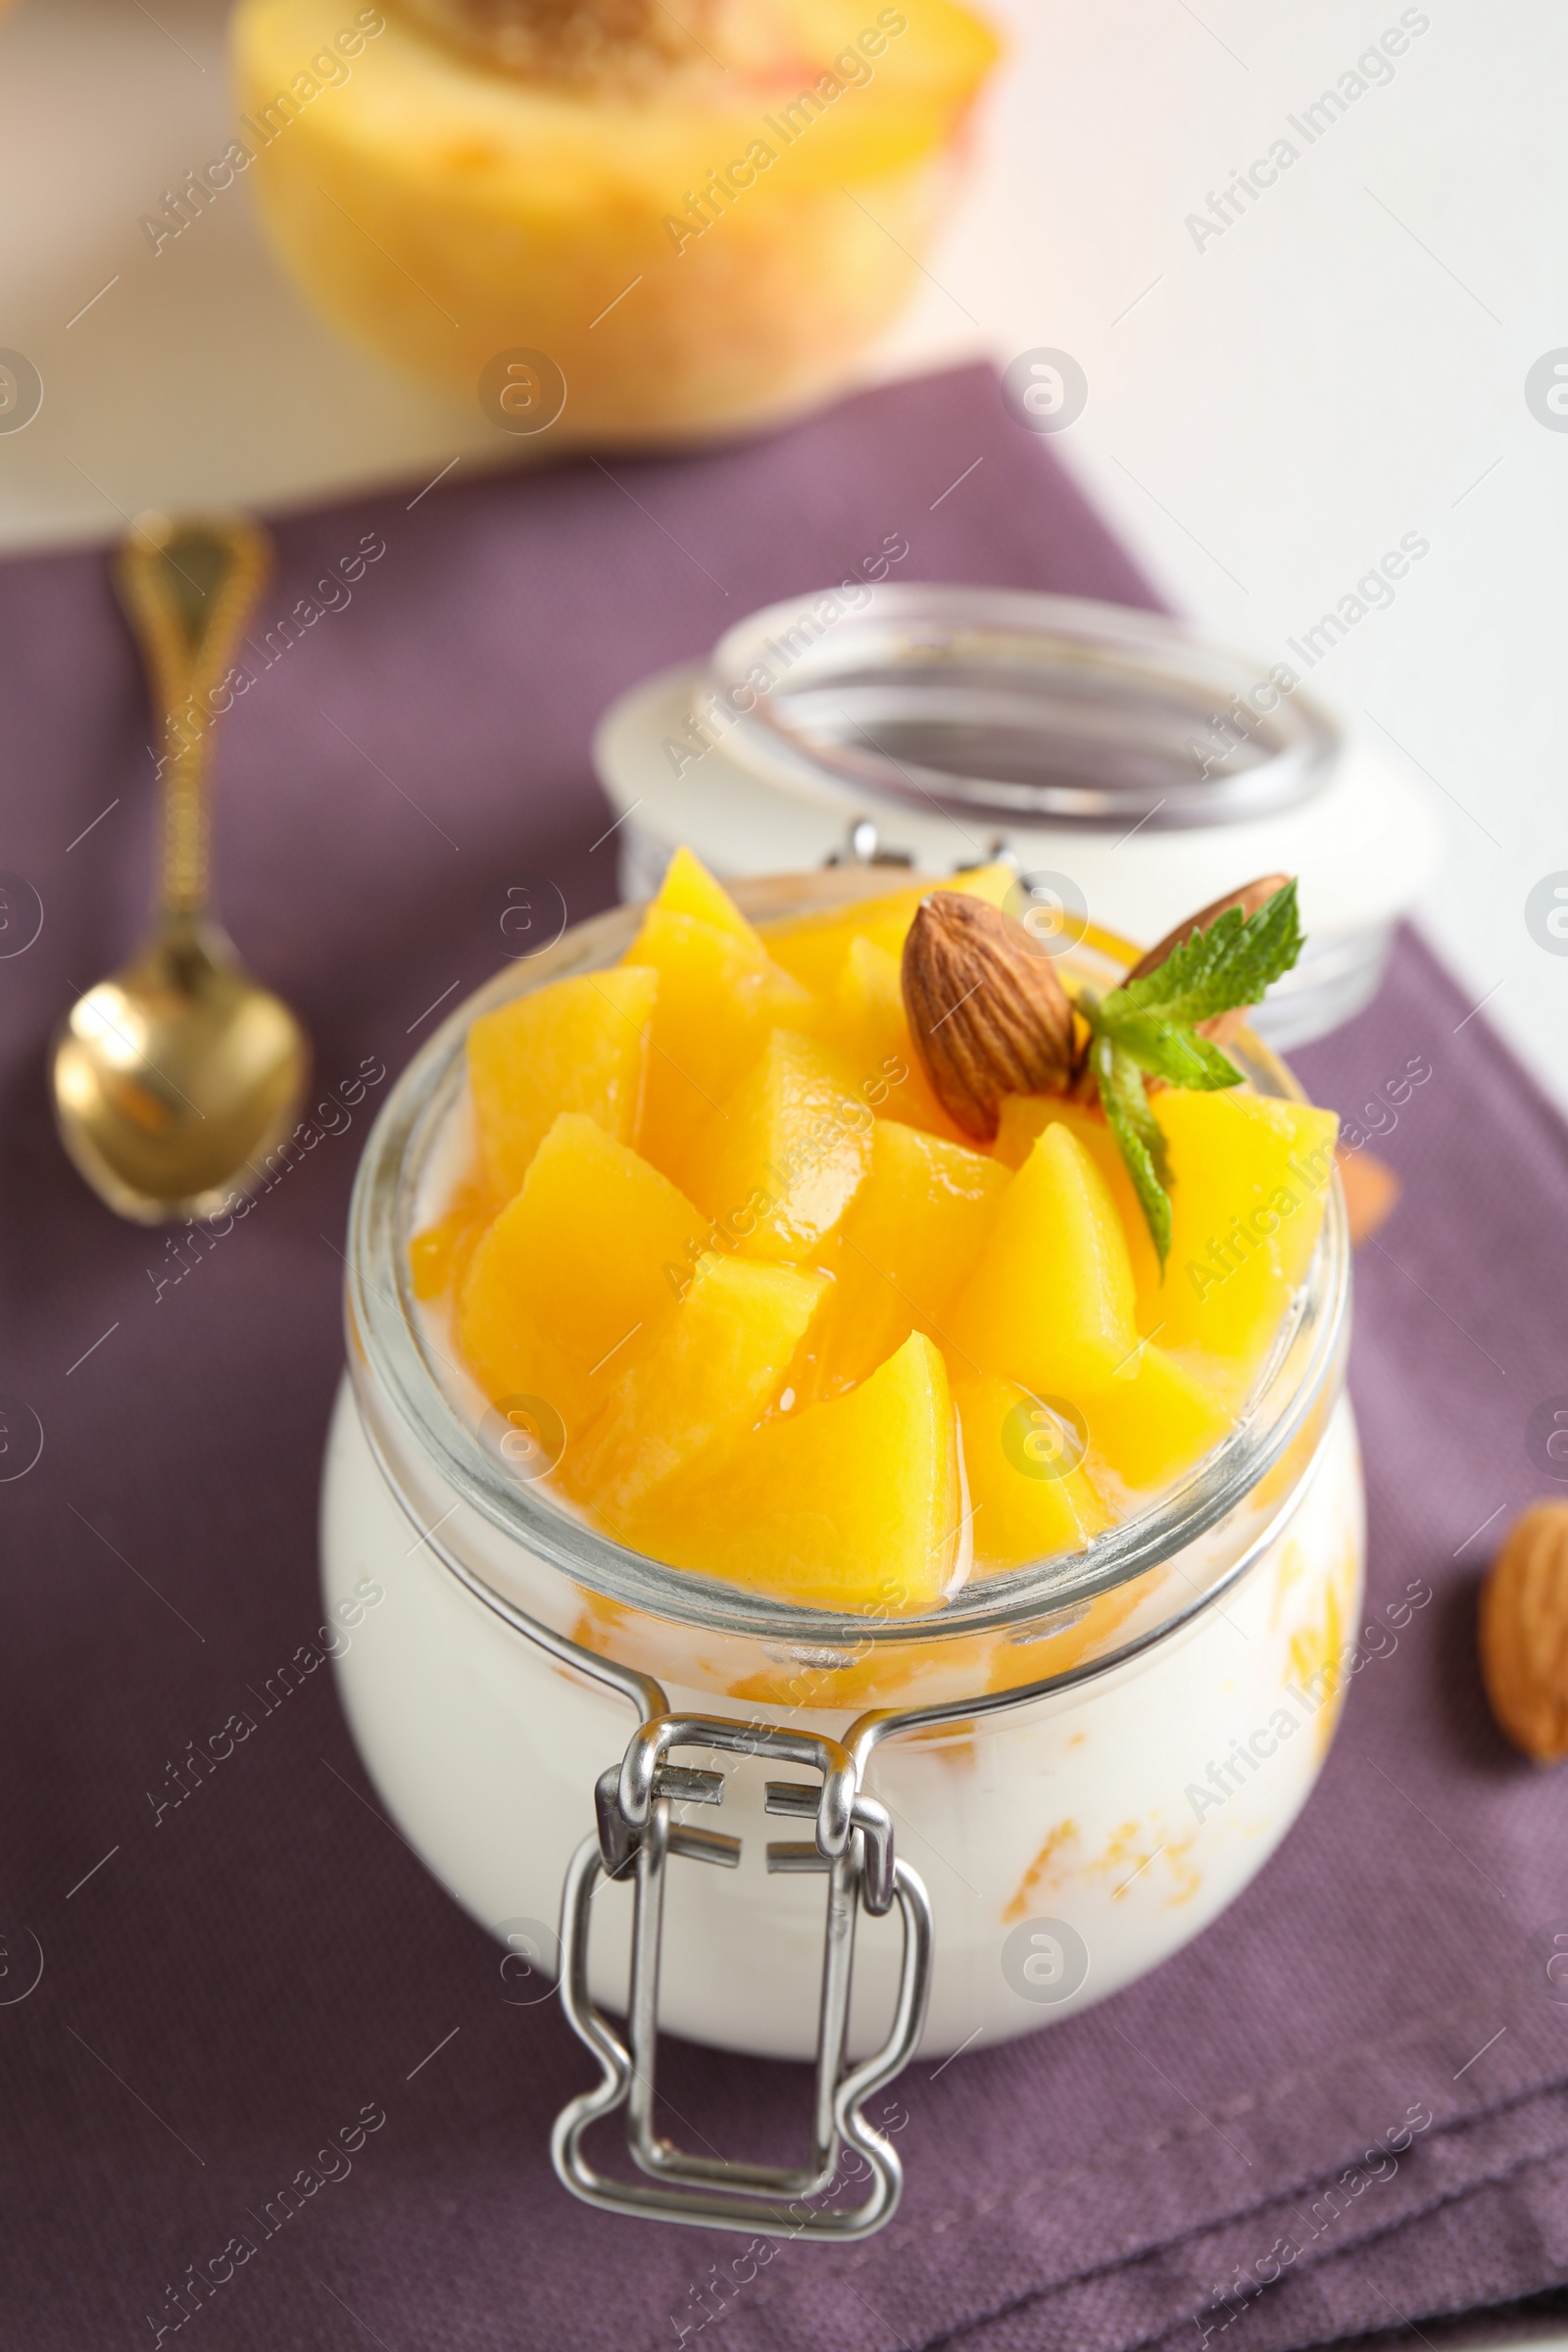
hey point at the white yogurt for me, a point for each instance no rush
(1069, 1844)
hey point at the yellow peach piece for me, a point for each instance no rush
(1026, 1116)
(438, 1258)
(910, 1238)
(578, 1045)
(868, 1018)
(711, 1373)
(688, 888)
(578, 1258)
(847, 1505)
(813, 946)
(1250, 1178)
(779, 1162)
(1051, 1301)
(995, 882)
(1029, 1497)
(1154, 1419)
(514, 1358)
(707, 251)
(719, 996)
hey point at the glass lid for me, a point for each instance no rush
(1011, 704)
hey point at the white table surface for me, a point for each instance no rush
(1266, 415)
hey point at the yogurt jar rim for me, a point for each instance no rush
(392, 1357)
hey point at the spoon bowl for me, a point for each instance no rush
(175, 1077)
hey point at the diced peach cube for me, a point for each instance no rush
(438, 1258)
(1154, 1419)
(719, 996)
(911, 1237)
(1250, 1181)
(580, 1265)
(1029, 1497)
(714, 1368)
(578, 1045)
(1026, 1116)
(813, 946)
(688, 888)
(778, 1163)
(1051, 1303)
(868, 1020)
(846, 1505)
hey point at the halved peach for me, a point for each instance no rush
(694, 241)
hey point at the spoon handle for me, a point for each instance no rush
(187, 583)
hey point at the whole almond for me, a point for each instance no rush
(987, 1013)
(1524, 1633)
(1250, 898)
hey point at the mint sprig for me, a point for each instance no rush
(1136, 1132)
(1229, 965)
(1149, 1028)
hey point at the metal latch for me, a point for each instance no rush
(852, 1846)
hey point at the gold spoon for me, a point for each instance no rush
(174, 1079)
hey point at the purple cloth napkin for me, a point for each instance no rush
(239, 1979)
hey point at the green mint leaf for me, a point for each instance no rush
(1229, 965)
(1150, 1025)
(1178, 1055)
(1138, 1136)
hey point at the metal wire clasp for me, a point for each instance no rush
(852, 1845)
